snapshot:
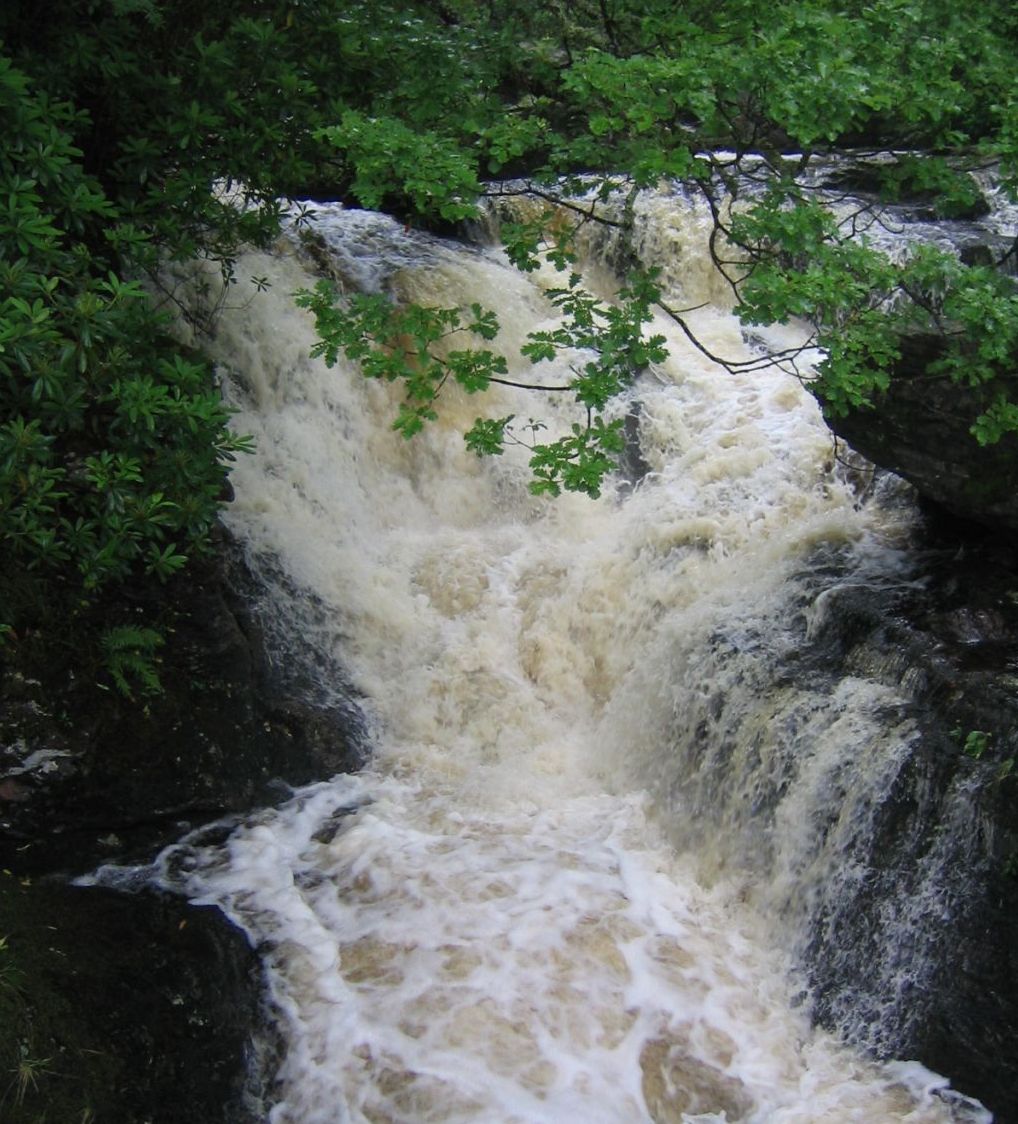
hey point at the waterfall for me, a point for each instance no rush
(607, 796)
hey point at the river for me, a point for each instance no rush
(574, 882)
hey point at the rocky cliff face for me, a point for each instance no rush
(919, 429)
(940, 882)
(86, 776)
(944, 853)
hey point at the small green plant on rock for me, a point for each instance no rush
(130, 657)
(27, 1073)
(976, 743)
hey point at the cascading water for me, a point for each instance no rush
(601, 805)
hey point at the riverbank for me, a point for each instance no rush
(124, 1007)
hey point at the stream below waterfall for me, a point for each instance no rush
(573, 883)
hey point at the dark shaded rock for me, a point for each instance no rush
(919, 957)
(142, 1008)
(131, 1008)
(633, 465)
(87, 776)
(977, 254)
(919, 428)
(900, 185)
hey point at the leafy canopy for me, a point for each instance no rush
(137, 131)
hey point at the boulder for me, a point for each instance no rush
(87, 777)
(901, 186)
(127, 1008)
(919, 429)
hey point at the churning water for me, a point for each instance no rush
(570, 886)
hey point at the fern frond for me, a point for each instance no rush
(129, 653)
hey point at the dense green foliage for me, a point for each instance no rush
(141, 130)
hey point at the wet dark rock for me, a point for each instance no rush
(145, 1008)
(86, 776)
(977, 254)
(919, 428)
(913, 202)
(633, 465)
(131, 1008)
(917, 956)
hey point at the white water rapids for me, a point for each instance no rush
(514, 915)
